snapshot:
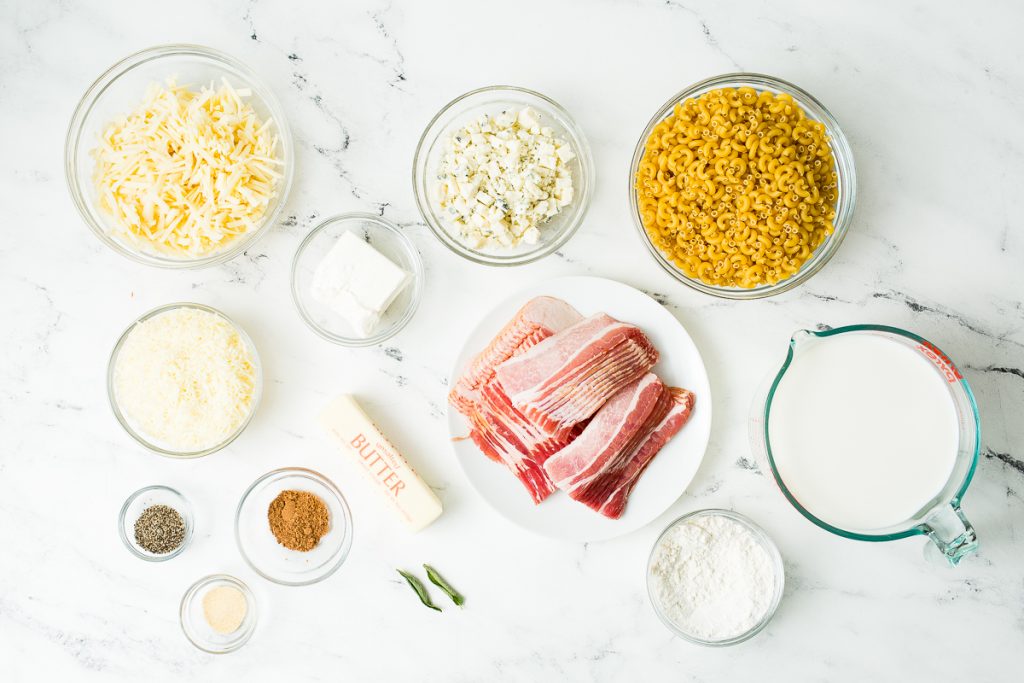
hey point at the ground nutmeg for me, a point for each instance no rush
(298, 519)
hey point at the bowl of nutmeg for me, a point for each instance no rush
(293, 526)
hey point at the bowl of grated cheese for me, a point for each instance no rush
(179, 157)
(503, 176)
(184, 380)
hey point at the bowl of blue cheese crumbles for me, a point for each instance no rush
(503, 176)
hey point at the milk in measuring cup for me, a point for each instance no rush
(863, 431)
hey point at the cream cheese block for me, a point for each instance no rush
(391, 473)
(358, 283)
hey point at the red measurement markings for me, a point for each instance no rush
(941, 361)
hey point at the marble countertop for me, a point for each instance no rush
(929, 95)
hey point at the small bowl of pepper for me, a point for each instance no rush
(156, 523)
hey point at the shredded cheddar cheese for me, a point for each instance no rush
(188, 172)
(185, 379)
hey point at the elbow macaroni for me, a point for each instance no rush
(737, 188)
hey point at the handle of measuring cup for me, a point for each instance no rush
(953, 537)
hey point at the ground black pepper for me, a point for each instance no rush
(160, 529)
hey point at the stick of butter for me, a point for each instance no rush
(392, 476)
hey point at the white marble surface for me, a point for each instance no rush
(929, 94)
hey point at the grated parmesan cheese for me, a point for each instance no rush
(185, 379)
(188, 172)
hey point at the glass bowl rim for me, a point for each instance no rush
(417, 284)
(846, 174)
(251, 608)
(581, 203)
(343, 549)
(122, 419)
(112, 74)
(186, 515)
(765, 412)
(766, 542)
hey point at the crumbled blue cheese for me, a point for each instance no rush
(502, 177)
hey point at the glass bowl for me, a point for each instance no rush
(382, 236)
(766, 543)
(136, 433)
(260, 548)
(492, 100)
(199, 632)
(845, 173)
(119, 90)
(137, 504)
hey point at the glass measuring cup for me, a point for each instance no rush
(941, 518)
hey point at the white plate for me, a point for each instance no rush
(670, 472)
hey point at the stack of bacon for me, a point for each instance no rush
(569, 402)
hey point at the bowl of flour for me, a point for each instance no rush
(715, 578)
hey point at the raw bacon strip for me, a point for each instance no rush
(505, 435)
(538, 319)
(611, 431)
(489, 430)
(489, 438)
(628, 476)
(567, 377)
(496, 427)
(601, 467)
(527, 437)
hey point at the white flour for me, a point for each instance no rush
(712, 578)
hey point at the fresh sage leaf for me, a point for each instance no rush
(439, 581)
(419, 588)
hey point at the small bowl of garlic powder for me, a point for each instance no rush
(218, 614)
(503, 176)
(715, 578)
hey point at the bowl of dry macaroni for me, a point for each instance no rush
(742, 186)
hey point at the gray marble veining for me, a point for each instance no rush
(929, 94)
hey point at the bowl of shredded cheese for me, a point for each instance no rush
(742, 186)
(179, 157)
(184, 380)
(503, 176)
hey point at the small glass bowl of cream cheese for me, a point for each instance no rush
(384, 238)
(715, 578)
